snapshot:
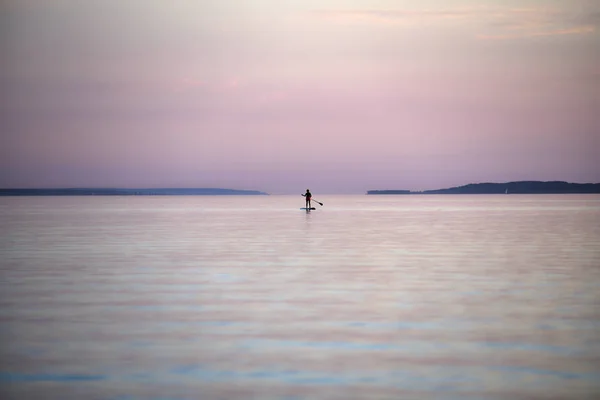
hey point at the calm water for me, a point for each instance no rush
(367, 297)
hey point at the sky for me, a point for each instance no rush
(281, 96)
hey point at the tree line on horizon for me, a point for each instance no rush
(518, 187)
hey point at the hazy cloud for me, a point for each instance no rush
(392, 16)
(485, 22)
(578, 30)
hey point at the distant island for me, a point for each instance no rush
(520, 187)
(127, 192)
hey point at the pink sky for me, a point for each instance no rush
(335, 96)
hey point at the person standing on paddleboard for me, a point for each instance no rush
(308, 196)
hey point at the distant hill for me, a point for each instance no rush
(127, 192)
(520, 187)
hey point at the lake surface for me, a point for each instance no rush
(366, 297)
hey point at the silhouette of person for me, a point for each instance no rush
(307, 195)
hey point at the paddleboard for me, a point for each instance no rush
(304, 208)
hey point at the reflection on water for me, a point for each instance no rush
(386, 297)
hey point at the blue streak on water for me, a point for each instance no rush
(199, 372)
(42, 377)
(168, 308)
(323, 345)
(532, 347)
(402, 379)
(595, 377)
(224, 277)
(320, 380)
(153, 398)
(184, 369)
(395, 325)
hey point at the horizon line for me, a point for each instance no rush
(266, 192)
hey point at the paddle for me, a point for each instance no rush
(314, 200)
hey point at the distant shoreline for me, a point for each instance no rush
(130, 192)
(518, 187)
